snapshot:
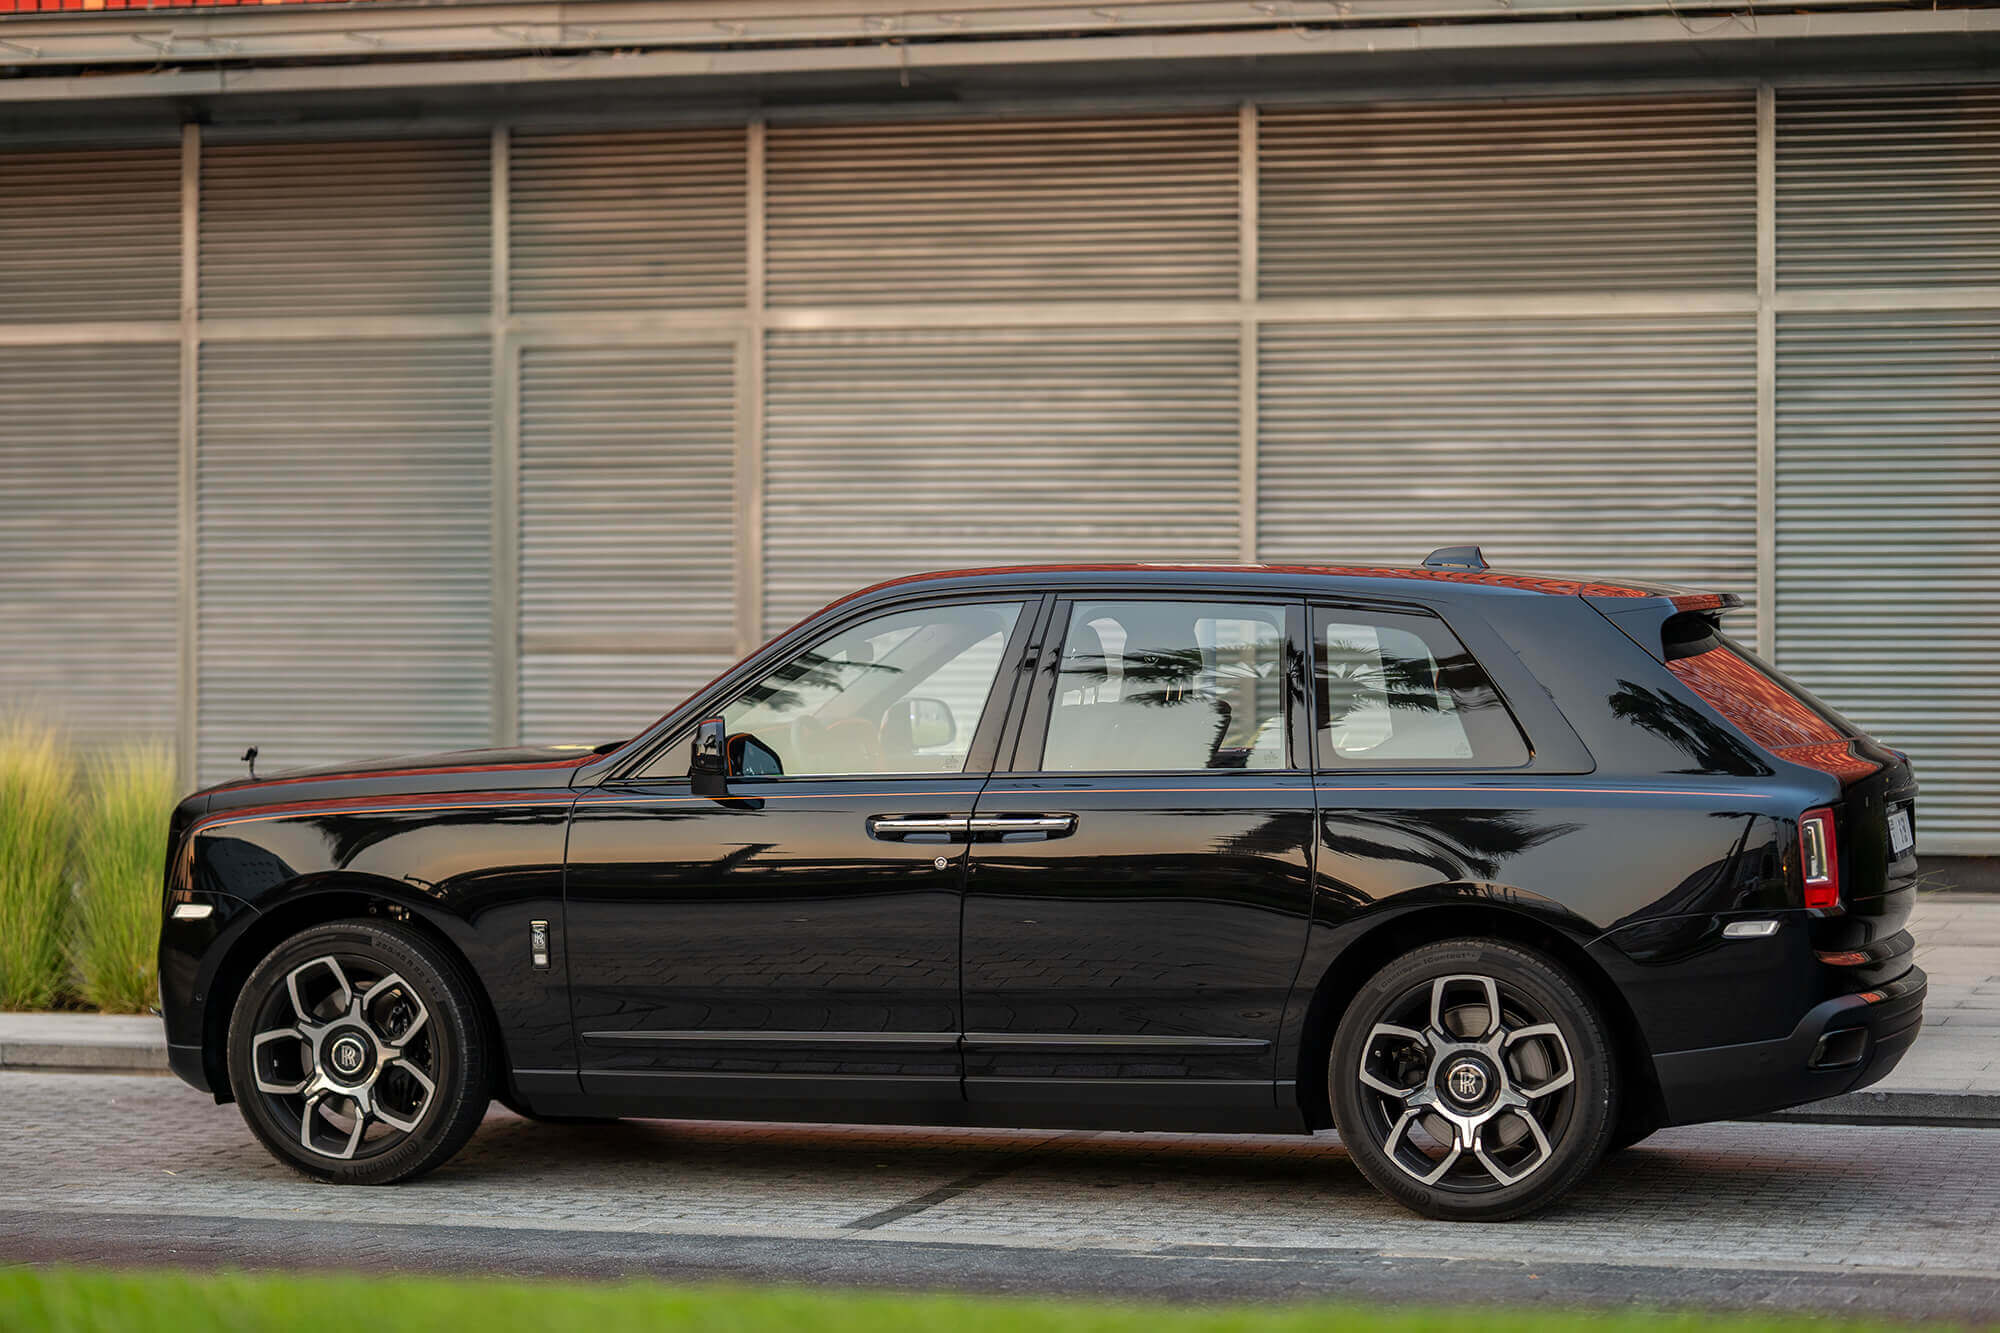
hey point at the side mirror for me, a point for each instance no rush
(931, 723)
(708, 762)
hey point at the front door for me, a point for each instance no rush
(1139, 889)
(795, 934)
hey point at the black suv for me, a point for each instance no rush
(1495, 873)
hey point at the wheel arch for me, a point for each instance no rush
(316, 902)
(1372, 949)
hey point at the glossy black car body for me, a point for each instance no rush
(1178, 955)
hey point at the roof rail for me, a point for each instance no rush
(1455, 557)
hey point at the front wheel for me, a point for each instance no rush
(356, 1054)
(1472, 1080)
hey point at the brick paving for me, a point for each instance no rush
(1858, 1199)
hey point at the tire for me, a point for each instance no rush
(394, 1005)
(1471, 1120)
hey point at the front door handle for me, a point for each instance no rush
(1008, 827)
(924, 828)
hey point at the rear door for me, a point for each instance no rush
(1139, 886)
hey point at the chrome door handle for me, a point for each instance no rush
(1048, 826)
(895, 828)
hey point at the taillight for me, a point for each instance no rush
(1820, 858)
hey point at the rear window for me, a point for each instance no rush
(1760, 701)
(1400, 691)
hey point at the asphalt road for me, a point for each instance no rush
(1889, 1220)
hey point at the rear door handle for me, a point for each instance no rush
(1006, 827)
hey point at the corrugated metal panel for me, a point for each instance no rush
(590, 698)
(345, 527)
(1596, 447)
(88, 567)
(1892, 188)
(90, 234)
(627, 221)
(897, 452)
(1454, 198)
(388, 227)
(1889, 544)
(627, 533)
(1013, 210)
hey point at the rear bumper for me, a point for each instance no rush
(1842, 1044)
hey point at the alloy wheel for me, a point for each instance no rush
(345, 1051)
(1466, 1086)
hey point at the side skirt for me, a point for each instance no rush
(1180, 1105)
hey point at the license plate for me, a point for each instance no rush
(1901, 840)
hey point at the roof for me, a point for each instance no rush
(1471, 580)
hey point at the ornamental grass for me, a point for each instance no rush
(128, 795)
(37, 837)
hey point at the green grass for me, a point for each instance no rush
(37, 813)
(128, 797)
(88, 1301)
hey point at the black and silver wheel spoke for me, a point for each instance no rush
(1464, 1077)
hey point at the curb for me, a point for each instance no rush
(82, 1044)
(1900, 1106)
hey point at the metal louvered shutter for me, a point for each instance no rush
(345, 550)
(627, 221)
(1889, 545)
(627, 546)
(1455, 198)
(890, 453)
(390, 227)
(1594, 447)
(91, 234)
(1894, 188)
(89, 539)
(995, 211)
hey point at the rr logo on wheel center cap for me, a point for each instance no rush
(1466, 1082)
(347, 1055)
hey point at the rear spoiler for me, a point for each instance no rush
(1643, 618)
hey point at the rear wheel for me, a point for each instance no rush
(1473, 1080)
(356, 1054)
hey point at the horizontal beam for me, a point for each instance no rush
(725, 324)
(899, 54)
(294, 31)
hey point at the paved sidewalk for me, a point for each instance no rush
(1951, 1076)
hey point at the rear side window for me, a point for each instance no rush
(1161, 686)
(1400, 691)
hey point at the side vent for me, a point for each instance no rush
(1455, 557)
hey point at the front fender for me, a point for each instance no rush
(473, 873)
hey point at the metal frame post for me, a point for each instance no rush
(505, 559)
(1247, 370)
(749, 466)
(1767, 374)
(187, 684)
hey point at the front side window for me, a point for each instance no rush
(1401, 691)
(1168, 686)
(902, 693)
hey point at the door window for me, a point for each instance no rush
(902, 693)
(1168, 686)
(1401, 691)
